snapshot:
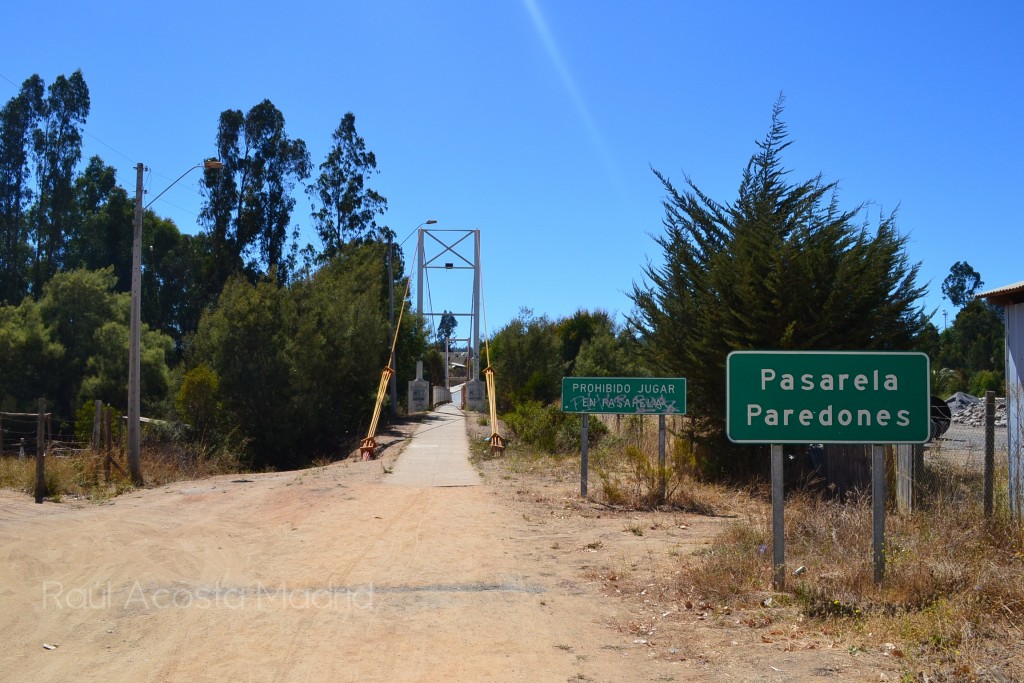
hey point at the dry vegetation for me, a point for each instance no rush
(83, 475)
(951, 606)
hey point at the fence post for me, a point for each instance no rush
(97, 425)
(905, 477)
(990, 449)
(108, 445)
(41, 452)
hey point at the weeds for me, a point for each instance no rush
(953, 592)
(950, 607)
(82, 475)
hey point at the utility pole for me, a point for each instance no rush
(135, 341)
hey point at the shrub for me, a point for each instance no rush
(549, 429)
(986, 380)
(196, 402)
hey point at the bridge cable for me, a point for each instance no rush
(497, 440)
(368, 446)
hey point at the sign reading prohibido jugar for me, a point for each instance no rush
(624, 395)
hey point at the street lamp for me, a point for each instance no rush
(135, 320)
(393, 383)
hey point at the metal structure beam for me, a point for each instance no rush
(463, 246)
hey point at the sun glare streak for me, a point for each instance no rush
(541, 25)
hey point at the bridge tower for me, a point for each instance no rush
(455, 250)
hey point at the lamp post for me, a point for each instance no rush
(393, 382)
(135, 321)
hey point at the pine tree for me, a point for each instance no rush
(781, 267)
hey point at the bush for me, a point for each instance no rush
(196, 402)
(549, 429)
(986, 380)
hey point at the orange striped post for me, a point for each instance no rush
(497, 441)
(368, 446)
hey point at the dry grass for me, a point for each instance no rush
(82, 475)
(950, 607)
(953, 593)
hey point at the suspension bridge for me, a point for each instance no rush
(446, 250)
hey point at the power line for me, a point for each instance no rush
(115, 150)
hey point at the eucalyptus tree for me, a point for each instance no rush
(344, 207)
(103, 231)
(249, 201)
(17, 120)
(61, 111)
(961, 284)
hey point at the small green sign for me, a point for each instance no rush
(827, 397)
(624, 395)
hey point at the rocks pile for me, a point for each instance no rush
(970, 410)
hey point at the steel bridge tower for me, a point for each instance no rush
(455, 250)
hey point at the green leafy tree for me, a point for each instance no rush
(607, 354)
(344, 207)
(17, 121)
(88, 321)
(974, 342)
(781, 267)
(340, 344)
(527, 358)
(197, 401)
(961, 284)
(32, 359)
(249, 201)
(106, 370)
(244, 340)
(446, 328)
(104, 215)
(178, 264)
(298, 365)
(56, 151)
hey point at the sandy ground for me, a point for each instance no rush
(332, 574)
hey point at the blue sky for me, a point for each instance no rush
(538, 122)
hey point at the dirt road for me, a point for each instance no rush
(334, 574)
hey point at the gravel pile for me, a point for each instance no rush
(970, 410)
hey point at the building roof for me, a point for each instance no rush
(1010, 294)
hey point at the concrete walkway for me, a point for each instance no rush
(438, 454)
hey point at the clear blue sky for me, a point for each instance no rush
(538, 122)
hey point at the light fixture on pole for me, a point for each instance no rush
(134, 456)
(393, 382)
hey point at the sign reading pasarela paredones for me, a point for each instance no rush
(870, 397)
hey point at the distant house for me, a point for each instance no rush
(1011, 297)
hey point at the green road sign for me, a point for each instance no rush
(624, 395)
(827, 397)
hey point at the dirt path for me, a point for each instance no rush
(331, 574)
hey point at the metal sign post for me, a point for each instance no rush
(778, 521)
(659, 396)
(583, 455)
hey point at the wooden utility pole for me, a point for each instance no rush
(135, 341)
